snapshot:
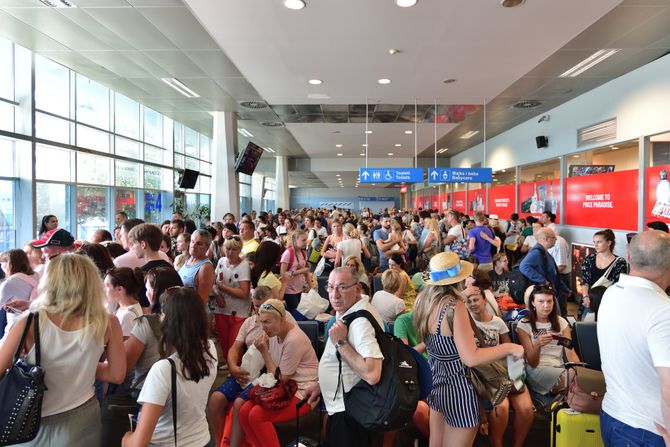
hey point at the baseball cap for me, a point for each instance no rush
(57, 237)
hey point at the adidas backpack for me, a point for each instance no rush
(389, 404)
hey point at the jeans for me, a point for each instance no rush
(617, 434)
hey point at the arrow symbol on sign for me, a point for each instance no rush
(433, 174)
(365, 175)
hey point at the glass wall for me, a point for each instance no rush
(245, 194)
(100, 152)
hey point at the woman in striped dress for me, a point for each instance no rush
(454, 406)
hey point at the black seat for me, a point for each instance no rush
(322, 281)
(587, 340)
(512, 331)
(377, 284)
(311, 328)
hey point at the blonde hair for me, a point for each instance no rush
(433, 225)
(359, 265)
(350, 231)
(429, 300)
(232, 244)
(391, 281)
(72, 288)
(273, 305)
(395, 225)
(297, 234)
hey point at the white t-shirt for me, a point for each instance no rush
(126, 317)
(143, 332)
(350, 247)
(231, 276)
(530, 241)
(491, 330)
(388, 305)
(192, 428)
(457, 232)
(362, 338)
(322, 232)
(561, 254)
(634, 340)
(551, 354)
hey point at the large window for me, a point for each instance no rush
(53, 198)
(92, 103)
(92, 203)
(7, 226)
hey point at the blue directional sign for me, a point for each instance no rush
(391, 175)
(453, 175)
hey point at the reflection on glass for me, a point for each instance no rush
(6, 117)
(152, 177)
(7, 229)
(126, 200)
(153, 206)
(92, 103)
(127, 174)
(50, 128)
(91, 211)
(190, 142)
(153, 154)
(179, 161)
(92, 139)
(205, 184)
(192, 163)
(52, 198)
(127, 148)
(93, 169)
(204, 147)
(7, 157)
(6, 69)
(153, 127)
(126, 116)
(178, 144)
(191, 202)
(52, 163)
(52, 87)
(168, 133)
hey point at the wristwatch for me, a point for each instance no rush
(340, 343)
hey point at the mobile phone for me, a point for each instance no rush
(563, 341)
(132, 420)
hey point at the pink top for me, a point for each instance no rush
(295, 356)
(296, 283)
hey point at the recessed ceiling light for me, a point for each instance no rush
(368, 131)
(339, 154)
(244, 132)
(315, 81)
(469, 135)
(384, 81)
(362, 154)
(390, 154)
(364, 145)
(294, 4)
(338, 145)
(338, 175)
(373, 184)
(443, 150)
(180, 87)
(503, 171)
(575, 156)
(398, 145)
(511, 3)
(393, 51)
(614, 148)
(408, 132)
(405, 3)
(589, 62)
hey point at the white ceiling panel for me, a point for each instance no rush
(84, 65)
(177, 63)
(214, 63)
(25, 35)
(134, 28)
(116, 63)
(238, 88)
(178, 25)
(79, 17)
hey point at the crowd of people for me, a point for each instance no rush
(118, 312)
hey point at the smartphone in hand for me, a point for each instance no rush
(563, 341)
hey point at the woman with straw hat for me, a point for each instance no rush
(454, 406)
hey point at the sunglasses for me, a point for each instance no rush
(234, 237)
(269, 306)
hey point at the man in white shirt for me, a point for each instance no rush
(634, 339)
(361, 359)
(529, 242)
(561, 254)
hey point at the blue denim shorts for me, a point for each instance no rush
(617, 434)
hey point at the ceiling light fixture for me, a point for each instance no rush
(408, 132)
(468, 135)
(269, 149)
(362, 154)
(390, 154)
(244, 132)
(398, 145)
(393, 51)
(368, 131)
(58, 3)
(575, 156)
(338, 145)
(364, 145)
(590, 62)
(315, 81)
(405, 3)
(384, 81)
(443, 150)
(338, 175)
(339, 154)
(511, 3)
(294, 4)
(180, 87)
(503, 171)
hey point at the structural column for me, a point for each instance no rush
(257, 192)
(225, 183)
(283, 199)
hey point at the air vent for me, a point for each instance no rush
(272, 124)
(254, 105)
(597, 133)
(528, 104)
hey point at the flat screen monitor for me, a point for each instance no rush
(248, 159)
(188, 178)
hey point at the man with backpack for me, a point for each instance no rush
(361, 358)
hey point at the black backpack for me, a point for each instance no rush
(518, 282)
(390, 404)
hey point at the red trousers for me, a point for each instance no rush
(227, 327)
(257, 421)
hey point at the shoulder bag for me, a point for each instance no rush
(277, 397)
(21, 393)
(173, 377)
(604, 281)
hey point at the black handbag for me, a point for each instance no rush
(21, 393)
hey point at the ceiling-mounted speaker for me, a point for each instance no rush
(542, 141)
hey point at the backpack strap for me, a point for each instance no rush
(451, 311)
(173, 375)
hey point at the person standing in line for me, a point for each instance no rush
(198, 271)
(481, 238)
(635, 348)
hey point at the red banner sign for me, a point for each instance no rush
(538, 197)
(476, 200)
(602, 200)
(658, 194)
(501, 201)
(459, 202)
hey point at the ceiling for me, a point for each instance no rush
(257, 50)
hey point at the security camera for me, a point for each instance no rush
(543, 118)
